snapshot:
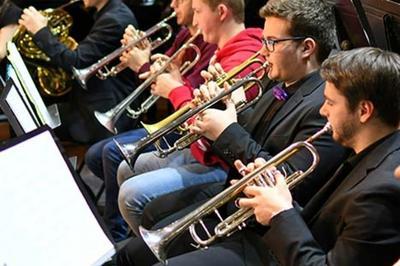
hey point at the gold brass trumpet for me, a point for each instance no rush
(110, 118)
(175, 121)
(100, 67)
(159, 240)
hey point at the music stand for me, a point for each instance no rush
(28, 92)
(19, 114)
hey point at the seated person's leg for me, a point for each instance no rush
(94, 158)
(235, 250)
(137, 192)
(146, 162)
(103, 159)
(239, 249)
(171, 203)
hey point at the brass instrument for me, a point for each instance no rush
(159, 240)
(100, 67)
(175, 121)
(108, 119)
(51, 80)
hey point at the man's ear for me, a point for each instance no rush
(309, 47)
(365, 110)
(223, 11)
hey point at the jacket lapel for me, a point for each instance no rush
(360, 172)
(310, 85)
(260, 109)
(371, 162)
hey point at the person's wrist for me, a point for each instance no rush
(280, 210)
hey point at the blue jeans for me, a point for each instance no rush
(103, 160)
(175, 172)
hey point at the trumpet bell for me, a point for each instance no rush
(107, 120)
(151, 128)
(128, 151)
(154, 240)
(81, 76)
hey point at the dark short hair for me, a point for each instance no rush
(367, 74)
(310, 18)
(237, 7)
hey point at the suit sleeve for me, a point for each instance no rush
(370, 234)
(236, 143)
(104, 38)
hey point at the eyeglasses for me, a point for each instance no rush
(270, 43)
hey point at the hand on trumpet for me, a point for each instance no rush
(214, 72)
(138, 55)
(212, 122)
(32, 20)
(266, 201)
(165, 82)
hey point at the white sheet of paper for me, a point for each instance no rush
(20, 111)
(45, 219)
(27, 83)
(13, 75)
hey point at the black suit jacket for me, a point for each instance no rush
(295, 121)
(359, 224)
(103, 38)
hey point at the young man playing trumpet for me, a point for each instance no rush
(354, 218)
(103, 158)
(221, 23)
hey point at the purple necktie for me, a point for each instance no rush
(279, 93)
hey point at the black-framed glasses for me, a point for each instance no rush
(270, 43)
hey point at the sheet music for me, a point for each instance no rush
(25, 119)
(27, 83)
(45, 218)
(13, 75)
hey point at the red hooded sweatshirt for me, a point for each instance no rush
(237, 50)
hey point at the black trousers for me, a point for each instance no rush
(242, 248)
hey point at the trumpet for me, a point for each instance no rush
(175, 121)
(159, 240)
(109, 119)
(100, 67)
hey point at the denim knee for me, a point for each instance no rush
(131, 197)
(131, 205)
(93, 159)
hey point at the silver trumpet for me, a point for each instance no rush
(159, 240)
(110, 118)
(100, 67)
(158, 131)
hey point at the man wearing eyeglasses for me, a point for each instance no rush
(298, 35)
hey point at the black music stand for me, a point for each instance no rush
(19, 114)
